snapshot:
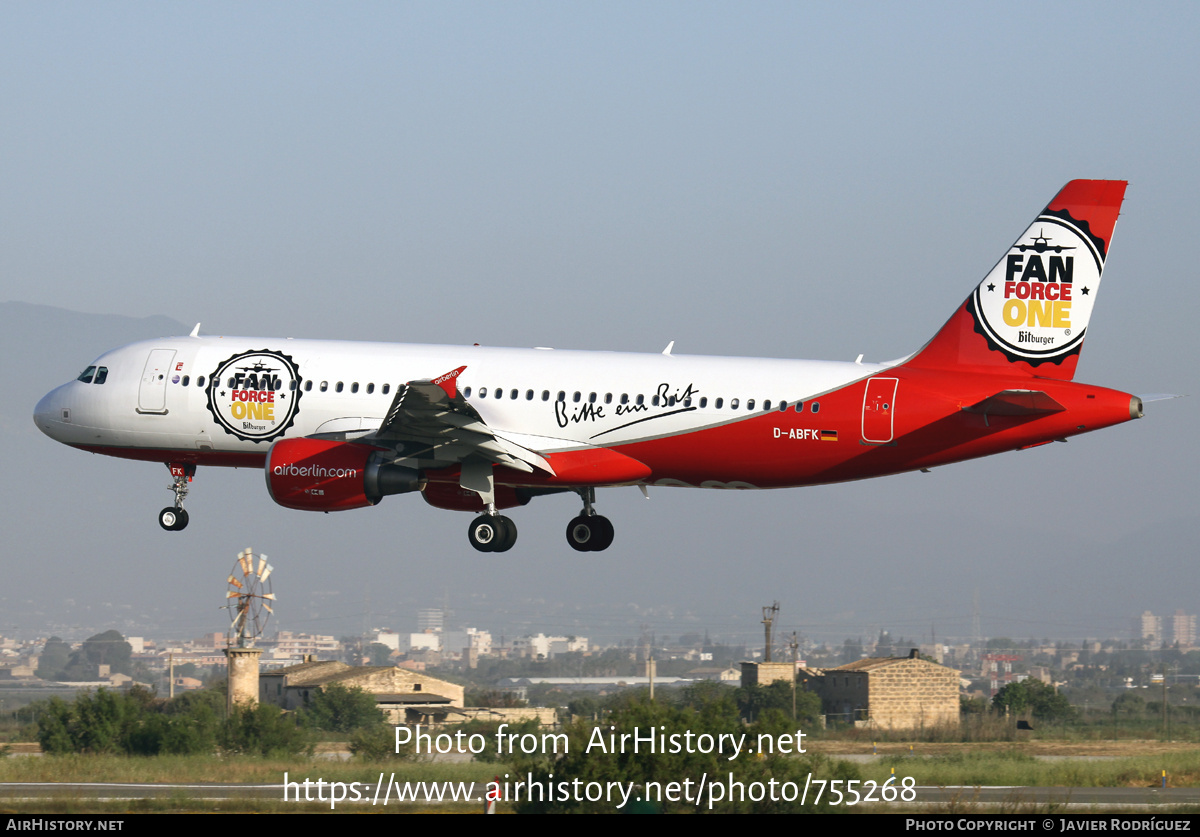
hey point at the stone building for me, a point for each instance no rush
(406, 697)
(888, 692)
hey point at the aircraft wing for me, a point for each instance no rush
(431, 419)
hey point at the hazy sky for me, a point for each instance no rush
(762, 179)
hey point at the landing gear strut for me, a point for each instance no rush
(589, 532)
(173, 518)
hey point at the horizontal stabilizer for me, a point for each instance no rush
(1016, 402)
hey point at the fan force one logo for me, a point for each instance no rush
(255, 395)
(1036, 303)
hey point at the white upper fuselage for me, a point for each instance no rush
(563, 399)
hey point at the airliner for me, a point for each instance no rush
(338, 425)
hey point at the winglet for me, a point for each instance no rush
(449, 381)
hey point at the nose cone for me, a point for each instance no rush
(51, 413)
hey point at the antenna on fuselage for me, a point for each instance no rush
(195, 331)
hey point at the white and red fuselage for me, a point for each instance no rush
(997, 377)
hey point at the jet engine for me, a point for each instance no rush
(325, 475)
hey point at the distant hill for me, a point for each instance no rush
(42, 347)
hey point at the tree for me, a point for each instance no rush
(53, 659)
(335, 708)
(670, 765)
(263, 730)
(1036, 697)
(108, 648)
(379, 654)
(1129, 704)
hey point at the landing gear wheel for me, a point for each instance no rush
(510, 535)
(172, 519)
(590, 533)
(604, 533)
(492, 533)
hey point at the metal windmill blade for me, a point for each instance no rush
(248, 598)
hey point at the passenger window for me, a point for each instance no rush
(324, 386)
(624, 398)
(608, 398)
(354, 387)
(293, 385)
(641, 400)
(766, 405)
(733, 402)
(545, 395)
(783, 406)
(799, 406)
(576, 397)
(101, 375)
(592, 398)
(230, 383)
(370, 389)
(562, 396)
(703, 402)
(87, 375)
(671, 401)
(499, 393)
(387, 388)
(816, 406)
(528, 395)
(514, 395)
(720, 403)
(483, 392)
(186, 380)
(687, 402)
(750, 404)
(654, 400)
(466, 392)
(308, 386)
(339, 386)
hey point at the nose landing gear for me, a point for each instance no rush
(174, 518)
(589, 532)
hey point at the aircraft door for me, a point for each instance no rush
(879, 404)
(152, 394)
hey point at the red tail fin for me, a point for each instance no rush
(1030, 313)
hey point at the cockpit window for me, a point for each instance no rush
(87, 374)
(101, 375)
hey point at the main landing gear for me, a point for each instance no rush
(589, 532)
(173, 518)
(491, 532)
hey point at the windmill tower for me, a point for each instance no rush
(248, 601)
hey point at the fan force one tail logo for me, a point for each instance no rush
(255, 395)
(1035, 304)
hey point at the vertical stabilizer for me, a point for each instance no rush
(1030, 313)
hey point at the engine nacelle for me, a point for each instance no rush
(452, 496)
(325, 475)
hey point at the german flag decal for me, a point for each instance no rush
(828, 435)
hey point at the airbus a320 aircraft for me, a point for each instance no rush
(340, 425)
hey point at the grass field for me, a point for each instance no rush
(1073, 764)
